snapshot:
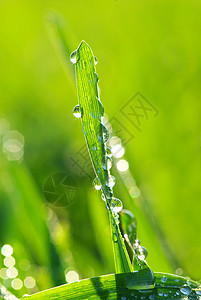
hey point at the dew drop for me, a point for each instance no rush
(94, 147)
(95, 60)
(116, 205)
(103, 197)
(96, 79)
(96, 183)
(77, 111)
(186, 290)
(111, 181)
(109, 152)
(128, 224)
(164, 279)
(107, 163)
(152, 297)
(104, 135)
(198, 292)
(101, 109)
(73, 57)
(141, 252)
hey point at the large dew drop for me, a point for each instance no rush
(186, 290)
(116, 205)
(140, 251)
(96, 183)
(77, 111)
(73, 57)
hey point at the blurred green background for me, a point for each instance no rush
(150, 46)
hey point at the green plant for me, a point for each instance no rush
(133, 279)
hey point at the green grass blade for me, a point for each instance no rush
(92, 111)
(137, 285)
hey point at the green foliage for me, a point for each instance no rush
(155, 51)
(125, 286)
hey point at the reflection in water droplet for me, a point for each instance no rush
(164, 279)
(96, 183)
(141, 252)
(116, 205)
(111, 181)
(198, 292)
(73, 57)
(95, 60)
(186, 290)
(77, 111)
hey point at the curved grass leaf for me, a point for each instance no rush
(96, 134)
(137, 285)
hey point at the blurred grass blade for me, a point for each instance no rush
(124, 286)
(91, 111)
(57, 30)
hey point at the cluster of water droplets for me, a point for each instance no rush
(129, 229)
(103, 136)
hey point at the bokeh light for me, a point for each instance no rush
(7, 250)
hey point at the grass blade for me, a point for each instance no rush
(91, 111)
(124, 286)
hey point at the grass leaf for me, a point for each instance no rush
(116, 286)
(91, 111)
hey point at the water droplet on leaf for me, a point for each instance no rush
(95, 60)
(109, 152)
(128, 224)
(164, 279)
(96, 183)
(116, 205)
(186, 290)
(107, 163)
(73, 57)
(111, 181)
(103, 135)
(77, 111)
